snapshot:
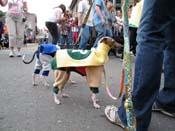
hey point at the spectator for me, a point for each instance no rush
(64, 28)
(1, 29)
(75, 29)
(134, 23)
(99, 20)
(56, 16)
(15, 23)
(3, 2)
(110, 18)
(83, 8)
(156, 42)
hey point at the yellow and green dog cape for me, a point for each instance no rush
(77, 58)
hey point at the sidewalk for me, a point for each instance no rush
(25, 49)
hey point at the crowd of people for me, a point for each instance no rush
(152, 31)
(65, 29)
(62, 28)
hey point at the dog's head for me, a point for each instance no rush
(110, 42)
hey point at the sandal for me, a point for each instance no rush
(161, 110)
(112, 115)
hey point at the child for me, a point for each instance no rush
(75, 29)
(64, 32)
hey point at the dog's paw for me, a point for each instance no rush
(96, 106)
(71, 81)
(95, 100)
(64, 95)
(56, 100)
(46, 84)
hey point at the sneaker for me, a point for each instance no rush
(11, 54)
(19, 54)
(112, 115)
(161, 110)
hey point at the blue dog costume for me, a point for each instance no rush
(44, 54)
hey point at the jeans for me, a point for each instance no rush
(158, 18)
(63, 41)
(101, 32)
(166, 97)
(84, 37)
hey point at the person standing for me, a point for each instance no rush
(55, 17)
(83, 8)
(15, 23)
(156, 46)
(64, 30)
(100, 20)
(134, 21)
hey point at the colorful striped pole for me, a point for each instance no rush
(127, 71)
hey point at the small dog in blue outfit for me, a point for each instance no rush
(43, 55)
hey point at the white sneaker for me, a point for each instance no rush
(11, 54)
(19, 54)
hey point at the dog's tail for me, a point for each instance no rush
(30, 61)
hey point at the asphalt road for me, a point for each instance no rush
(27, 108)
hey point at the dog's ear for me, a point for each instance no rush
(110, 42)
(103, 40)
(118, 44)
(107, 40)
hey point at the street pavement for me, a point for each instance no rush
(27, 108)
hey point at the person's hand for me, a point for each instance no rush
(102, 21)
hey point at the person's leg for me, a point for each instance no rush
(70, 37)
(149, 58)
(101, 31)
(84, 38)
(19, 36)
(12, 34)
(49, 38)
(133, 43)
(166, 97)
(62, 41)
(53, 29)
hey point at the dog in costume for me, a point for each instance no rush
(89, 63)
(43, 55)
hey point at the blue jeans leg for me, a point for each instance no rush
(149, 59)
(146, 83)
(62, 41)
(166, 97)
(84, 38)
(101, 30)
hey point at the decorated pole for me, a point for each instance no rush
(127, 71)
